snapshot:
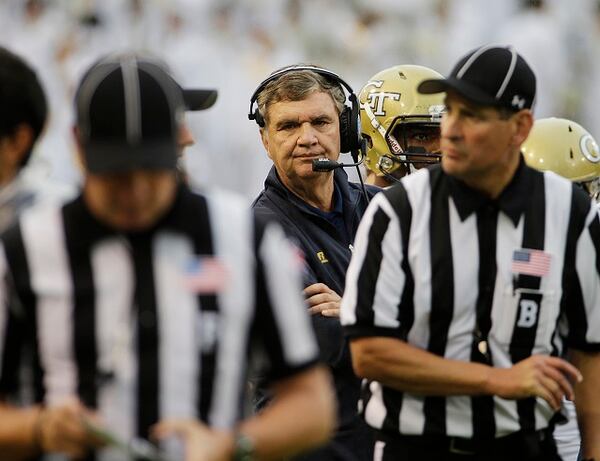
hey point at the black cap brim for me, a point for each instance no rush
(470, 92)
(199, 99)
(102, 158)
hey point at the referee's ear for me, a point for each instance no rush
(523, 122)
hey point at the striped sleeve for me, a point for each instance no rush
(282, 323)
(378, 275)
(3, 312)
(588, 274)
(12, 331)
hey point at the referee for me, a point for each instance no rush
(468, 282)
(143, 300)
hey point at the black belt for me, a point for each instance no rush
(517, 442)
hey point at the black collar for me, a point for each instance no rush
(89, 229)
(513, 200)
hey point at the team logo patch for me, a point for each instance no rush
(322, 258)
(589, 148)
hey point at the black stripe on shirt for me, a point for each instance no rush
(442, 293)
(572, 303)
(85, 349)
(398, 198)
(201, 235)
(17, 261)
(264, 325)
(12, 352)
(369, 272)
(523, 338)
(148, 389)
(594, 228)
(484, 424)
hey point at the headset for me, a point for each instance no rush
(350, 131)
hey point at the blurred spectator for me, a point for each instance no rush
(242, 40)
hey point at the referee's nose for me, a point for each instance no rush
(184, 138)
(450, 127)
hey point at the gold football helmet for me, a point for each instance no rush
(401, 126)
(566, 148)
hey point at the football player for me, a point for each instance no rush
(401, 126)
(568, 149)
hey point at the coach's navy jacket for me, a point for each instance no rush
(327, 256)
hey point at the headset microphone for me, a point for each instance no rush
(324, 164)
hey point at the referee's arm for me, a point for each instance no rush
(584, 336)
(587, 402)
(377, 275)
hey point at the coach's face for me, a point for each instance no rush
(130, 201)
(298, 132)
(478, 143)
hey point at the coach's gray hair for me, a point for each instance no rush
(297, 86)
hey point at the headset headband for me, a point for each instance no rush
(318, 70)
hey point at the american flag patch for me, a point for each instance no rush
(531, 262)
(205, 274)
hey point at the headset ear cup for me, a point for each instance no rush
(259, 118)
(345, 130)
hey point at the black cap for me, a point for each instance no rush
(129, 110)
(199, 99)
(491, 76)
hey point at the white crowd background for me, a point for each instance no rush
(232, 45)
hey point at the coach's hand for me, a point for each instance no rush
(322, 300)
(201, 442)
(60, 429)
(537, 376)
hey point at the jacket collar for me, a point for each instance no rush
(340, 180)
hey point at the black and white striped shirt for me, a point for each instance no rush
(436, 264)
(141, 328)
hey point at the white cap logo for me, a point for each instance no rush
(518, 101)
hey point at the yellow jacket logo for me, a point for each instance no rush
(322, 258)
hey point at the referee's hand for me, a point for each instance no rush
(202, 443)
(322, 300)
(60, 429)
(537, 376)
